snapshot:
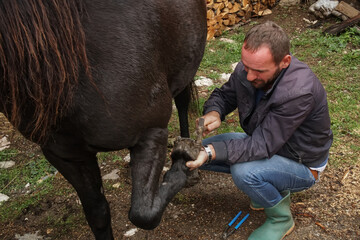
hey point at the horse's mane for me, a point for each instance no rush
(42, 47)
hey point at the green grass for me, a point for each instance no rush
(21, 174)
(7, 154)
(220, 55)
(28, 183)
(109, 156)
(25, 177)
(13, 208)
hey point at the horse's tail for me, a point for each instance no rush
(42, 47)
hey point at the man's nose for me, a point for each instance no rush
(251, 75)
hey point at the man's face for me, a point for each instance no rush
(260, 67)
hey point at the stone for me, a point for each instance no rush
(227, 40)
(112, 176)
(127, 158)
(203, 81)
(131, 232)
(4, 143)
(225, 77)
(30, 236)
(7, 164)
(3, 198)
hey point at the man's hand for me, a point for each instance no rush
(201, 159)
(212, 122)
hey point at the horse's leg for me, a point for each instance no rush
(80, 168)
(182, 101)
(148, 200)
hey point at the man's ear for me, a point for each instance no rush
(285, 62)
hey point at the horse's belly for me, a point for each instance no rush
(121, 123)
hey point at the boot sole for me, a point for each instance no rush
(256, 209)
(289, 231)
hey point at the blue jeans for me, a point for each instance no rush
(263, 180)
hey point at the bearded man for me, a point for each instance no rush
(284, 113)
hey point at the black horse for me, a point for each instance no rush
(83, 76)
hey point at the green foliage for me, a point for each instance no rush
(21, 174)
(109, 156)
(7, 154)
(13, 180)
(16, 206)
(181, 199)
(351, 57)
(318, 45)
(68, 221)
(219, 55)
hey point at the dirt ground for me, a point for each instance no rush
(329, 210)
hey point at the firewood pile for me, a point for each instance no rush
(221, 14)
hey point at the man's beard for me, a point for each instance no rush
(269, 84)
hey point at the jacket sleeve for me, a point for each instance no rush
(273, 132)
(222, 100)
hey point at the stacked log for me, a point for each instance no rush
(221, 14)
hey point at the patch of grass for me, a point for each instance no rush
(315, 44)
(181, 199)
(113, 156)
(8, 154)
(21, 174)
(15, 207)
(70, 220)
(219, 55)
(26, 183)
(213, 75)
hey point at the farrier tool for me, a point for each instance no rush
(226, 232)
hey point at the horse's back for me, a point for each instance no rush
(147, 37)
(142, 54)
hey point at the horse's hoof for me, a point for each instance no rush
(193, 178)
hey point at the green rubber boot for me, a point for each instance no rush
(279, 222)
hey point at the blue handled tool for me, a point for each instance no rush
(226, 232)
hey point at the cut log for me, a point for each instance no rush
(339, 27)
(236, 7)
(210, 14)
(265, 12)
(241, 13)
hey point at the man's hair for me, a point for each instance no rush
(271, 35)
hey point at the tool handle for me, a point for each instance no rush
(200, 129)
(235, 218)
(242, 221)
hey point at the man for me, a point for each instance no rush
(283, 111)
